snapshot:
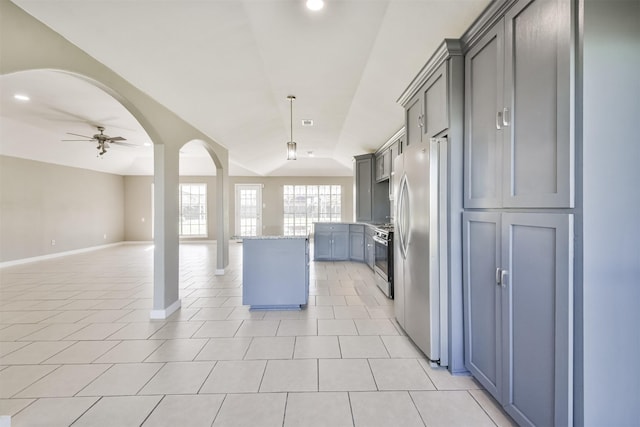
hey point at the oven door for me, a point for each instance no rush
(382, 257)
(381, 266)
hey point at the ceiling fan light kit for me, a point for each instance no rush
(291, 145)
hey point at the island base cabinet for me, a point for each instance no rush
(519, 311)
(275, 273)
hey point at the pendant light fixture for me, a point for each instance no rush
(291, 145)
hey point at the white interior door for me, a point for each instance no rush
(248, 210)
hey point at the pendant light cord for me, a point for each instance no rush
(291, 98)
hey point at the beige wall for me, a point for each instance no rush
(138, 201)
(138, 215)
(41, 202)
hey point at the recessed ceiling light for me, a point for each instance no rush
(147, 144)
(21, 97)
(315, 4)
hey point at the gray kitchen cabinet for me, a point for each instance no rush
(413, 118)
(363, 187)
(483, 98)
(331, 242)
(371, 197)
(369, 246)
(483, 311)
(518, 305)
(394, 150)
(537, 317)
(518, 148)
(427, 113)
(518, 153)
(275, 272)
(383, 165)
(436, 110)
(356, 242)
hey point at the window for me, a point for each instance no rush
(193, 210)
(306, 204)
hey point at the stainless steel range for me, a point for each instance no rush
(383, 266)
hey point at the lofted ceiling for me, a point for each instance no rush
(226, 67)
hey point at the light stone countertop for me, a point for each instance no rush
(274, 237)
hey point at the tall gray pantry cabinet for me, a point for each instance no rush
(518, 196)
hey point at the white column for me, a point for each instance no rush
(165, 257)
(222, 215)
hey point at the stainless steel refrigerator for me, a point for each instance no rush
(420, 196)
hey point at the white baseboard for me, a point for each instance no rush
(56, 255)
(95, 248)
(163, 314)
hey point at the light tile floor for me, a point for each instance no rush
(77, 348)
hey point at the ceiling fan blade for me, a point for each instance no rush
(84, 136)
(123, 144)
(83, 140)
(117, 138)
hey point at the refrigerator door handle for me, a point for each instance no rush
(402, 216)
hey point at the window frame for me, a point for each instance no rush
(325, 201)
(203, 211)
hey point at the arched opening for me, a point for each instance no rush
(58, 167)
(67, 105)
(42, 49)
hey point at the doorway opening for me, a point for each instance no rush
(248, 210)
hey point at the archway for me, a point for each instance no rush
(27, 44)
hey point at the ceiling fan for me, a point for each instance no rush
(102, 140)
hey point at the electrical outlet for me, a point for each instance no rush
(142, 219)
(53, 243)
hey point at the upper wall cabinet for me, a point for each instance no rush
(518, 145)
(363, 187)
(383, 165)
(426, 100)
(435, 118)
(371, 197)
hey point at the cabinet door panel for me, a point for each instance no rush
(369, 254)
(537, 311)
(356, 246)
(340, 246)
(483, 140)
(481, 258)
(414, 121)
(364, 209)
(538, 147)
(436, 117)
(321, 245)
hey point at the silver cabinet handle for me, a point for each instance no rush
(498, 276)
(498, 120)
(506, 117)
(503, 278)
(421, 120)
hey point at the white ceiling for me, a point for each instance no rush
(226, 67)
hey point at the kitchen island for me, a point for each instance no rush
(275, 272)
